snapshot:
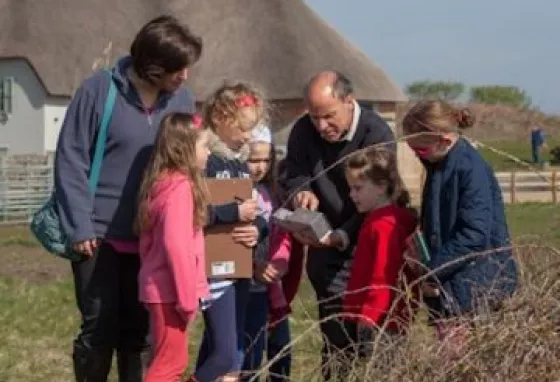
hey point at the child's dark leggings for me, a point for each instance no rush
(218, 354)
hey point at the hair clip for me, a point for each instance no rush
(245, 101)
(196, 121)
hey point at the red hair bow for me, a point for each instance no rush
(196, 121)
(246, 101)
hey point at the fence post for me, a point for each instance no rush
(50, 166)
(512, 187)
(554, 190)
(3, 188)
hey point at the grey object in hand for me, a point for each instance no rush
(311, 224)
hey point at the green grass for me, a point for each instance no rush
(535, 223)
(38, 321)
(519, 149)
(17, 235)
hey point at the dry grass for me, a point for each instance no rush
(519, 343)
(38, 320)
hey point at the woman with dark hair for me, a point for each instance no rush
(99, 225)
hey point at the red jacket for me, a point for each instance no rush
(378, 260)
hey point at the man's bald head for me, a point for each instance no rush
(330, 103)
(328, 83)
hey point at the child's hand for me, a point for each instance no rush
(259, 272)
(413, 262)
(246, 235)
(269, 273)
(248, 211)
(430, 290)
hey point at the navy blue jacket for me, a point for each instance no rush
(226, 164)
(463, 214)
(130, 137)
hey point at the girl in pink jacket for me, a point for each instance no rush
(172, 212)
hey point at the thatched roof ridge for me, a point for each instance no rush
(277, 44)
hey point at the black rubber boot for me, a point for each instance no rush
(132, 365)
(92, 365)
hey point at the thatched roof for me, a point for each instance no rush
(277, 44)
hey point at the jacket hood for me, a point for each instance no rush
(404, 217)
(125, 86)
(220, 149)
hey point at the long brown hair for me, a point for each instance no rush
(379, 165)
(174, 151)
(436, 116)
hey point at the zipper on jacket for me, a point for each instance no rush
(149, 113)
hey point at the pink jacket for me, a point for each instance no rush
(279, 248)
(172, 251)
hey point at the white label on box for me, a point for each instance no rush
(223, 268)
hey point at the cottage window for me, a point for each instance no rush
(6, 94)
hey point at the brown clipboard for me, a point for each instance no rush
(225, 258)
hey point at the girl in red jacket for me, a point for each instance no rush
(374, 296)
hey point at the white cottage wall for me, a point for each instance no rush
(22, 131)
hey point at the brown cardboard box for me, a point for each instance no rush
(224, 257)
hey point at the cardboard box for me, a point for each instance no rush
(225, 258)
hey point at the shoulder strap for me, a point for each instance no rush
(102, 136)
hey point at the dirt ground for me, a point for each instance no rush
(32, 264)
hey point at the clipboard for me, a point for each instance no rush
(225, 258)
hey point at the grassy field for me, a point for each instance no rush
(38, 318)
(519, 149)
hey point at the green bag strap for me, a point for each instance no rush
(102, 136)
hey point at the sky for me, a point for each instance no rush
(477, 42)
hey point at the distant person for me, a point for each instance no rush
(463, 219)
(150, 84)
(334, 127)
(537, 143)
(171, 216)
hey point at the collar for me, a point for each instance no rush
(354, 126)
(220, 149)
(120, 76)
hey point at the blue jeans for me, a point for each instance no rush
(255, 330)
(218, 354)
(536, 151)
(242, 299)
(279, 345)
(256, 339)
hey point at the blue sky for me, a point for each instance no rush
(506, 42)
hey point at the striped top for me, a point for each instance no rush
(217, 289)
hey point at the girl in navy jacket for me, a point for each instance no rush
(463, 216)
(231, 114)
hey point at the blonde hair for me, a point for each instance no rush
(379, 166)
(224, 106)
(436, 116)
(174, 151)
